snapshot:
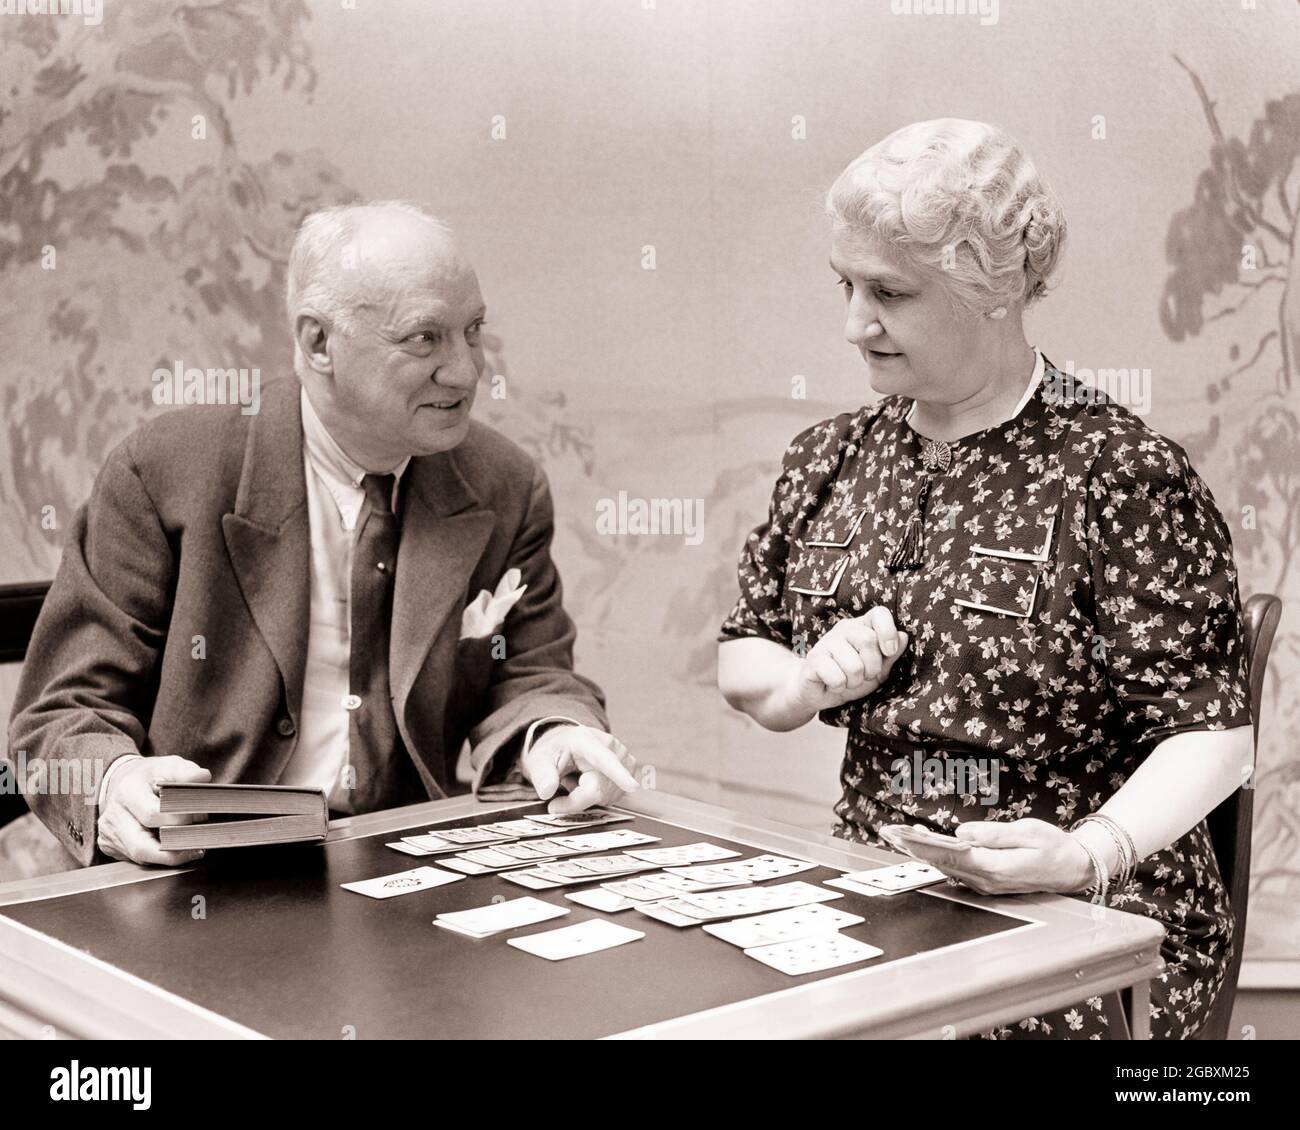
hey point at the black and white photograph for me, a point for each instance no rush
(693, 520)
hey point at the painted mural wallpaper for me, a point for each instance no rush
(122, 252)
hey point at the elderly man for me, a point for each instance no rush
(334, 592)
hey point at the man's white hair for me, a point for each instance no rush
(319, 280)
(960, 197)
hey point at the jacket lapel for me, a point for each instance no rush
(444, 532)
(268, 538)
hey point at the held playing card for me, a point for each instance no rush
(812, 955)
(784, 926)
(403, 883)
(573, 941)
(900, 837)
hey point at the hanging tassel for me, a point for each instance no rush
(910, 550)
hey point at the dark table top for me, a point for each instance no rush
(268, 938)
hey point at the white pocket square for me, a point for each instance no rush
(485, 614)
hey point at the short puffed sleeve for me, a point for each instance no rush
(1165, 592)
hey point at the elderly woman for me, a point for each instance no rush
(989, 567)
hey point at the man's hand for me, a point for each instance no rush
(593, 765)
(849, 662)
(130, 810)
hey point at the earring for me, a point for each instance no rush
(999, 312)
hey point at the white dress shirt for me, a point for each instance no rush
(336, 511)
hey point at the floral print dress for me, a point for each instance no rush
(1076, 603)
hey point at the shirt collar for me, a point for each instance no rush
(1034, 380)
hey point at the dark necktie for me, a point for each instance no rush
(375, 749)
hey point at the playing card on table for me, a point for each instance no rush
(588, 819)
(638, 890)
(563, 871)
(607, 902)
(521, 829)
(531, 879)
(587, 870)
(755, 900)
(408, 849)
(485, 921)
(467, 835)
(756, 870)
(858, 888)
(430, 845)
(669, 911)
(676, 885)
(517, 851)
(485, 861)
(899, 877)
(469, 867)
(687, 853)
(617, 840)
(403, 883)
(783, 926)
(811, 955)
(553, 849)
(620, 864)
(573, 941)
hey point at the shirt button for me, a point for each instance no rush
(285, 726)
(351, 701)
(381, 566)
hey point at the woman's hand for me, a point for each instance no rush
(849, 662)
(1020, 857)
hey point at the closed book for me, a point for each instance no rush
(280, 814)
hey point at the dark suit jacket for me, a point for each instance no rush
(197, 526)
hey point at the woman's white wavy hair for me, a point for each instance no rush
(961, 198)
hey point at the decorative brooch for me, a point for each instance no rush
(935, 455)
(936, 458)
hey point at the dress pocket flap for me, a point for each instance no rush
(838, 533)
(1003, 585)
(817, 571)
